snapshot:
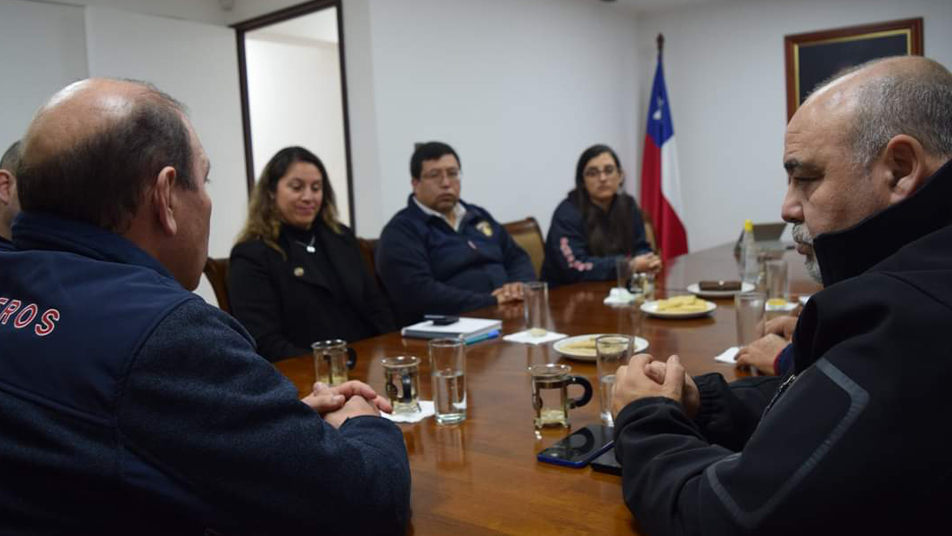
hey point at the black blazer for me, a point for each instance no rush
(281, 306)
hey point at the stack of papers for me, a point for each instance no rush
(470, 329)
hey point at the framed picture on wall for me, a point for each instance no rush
(813, 57)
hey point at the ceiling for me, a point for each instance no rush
(652, 5)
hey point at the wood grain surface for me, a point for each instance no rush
(482, 477)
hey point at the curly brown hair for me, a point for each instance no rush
(263, 221)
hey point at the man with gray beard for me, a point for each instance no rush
(801, 235)
(852, 439)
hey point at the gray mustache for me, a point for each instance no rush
(802, 235)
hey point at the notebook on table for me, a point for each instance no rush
(470, 329)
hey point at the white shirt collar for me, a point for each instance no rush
(458, 210)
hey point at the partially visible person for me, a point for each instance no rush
(126, 402)
(595, 225)
(296, 274)
(771, 354)
(853, 438)
(441, 255)
(9, 201)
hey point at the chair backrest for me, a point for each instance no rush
(527, 234)
(368, 247)
(216, 270)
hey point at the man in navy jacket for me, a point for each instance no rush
(128, 404)
(441, 255)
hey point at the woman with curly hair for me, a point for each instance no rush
(296, 275)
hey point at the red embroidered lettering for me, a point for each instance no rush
(9, 310)
(29, 312)
(3, 301)
(48, 321)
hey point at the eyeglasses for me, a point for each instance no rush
(594, 172)
(437, 175)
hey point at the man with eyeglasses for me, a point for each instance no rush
(440, 255)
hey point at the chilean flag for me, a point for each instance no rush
(660, 185)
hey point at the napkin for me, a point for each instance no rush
(729, 355)
(619, 296)
(426, 410)
(525, 337)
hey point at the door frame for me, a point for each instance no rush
(282, 15)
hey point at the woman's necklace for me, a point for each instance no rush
(309, 246)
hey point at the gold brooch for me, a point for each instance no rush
(298, 272)
(485, 228)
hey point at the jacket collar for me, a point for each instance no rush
(472, 212)
(38, 231)
(852, 251)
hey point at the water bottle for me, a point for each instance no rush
(749, 247)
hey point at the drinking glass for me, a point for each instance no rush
(550, 398)
(611, 351)
(535, 297)
(332, 360)
(777, 279)
(448, 373)
(622, 272)
(750, 316)
(401, 377)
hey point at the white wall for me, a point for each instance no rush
(725, 75)
(519, 89)
(44, 49)
(294, 94)
(197, 64)
(362, 119)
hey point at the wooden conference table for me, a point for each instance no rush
(482, 477)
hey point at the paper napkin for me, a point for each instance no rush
(525, 337)
(729, 355)
(426, 410)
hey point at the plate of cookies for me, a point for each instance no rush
(582, 347)
(688, 306)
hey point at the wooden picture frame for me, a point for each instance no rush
(813, 57)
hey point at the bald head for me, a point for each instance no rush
(883, 98)
(90, 152)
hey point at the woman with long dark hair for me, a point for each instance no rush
(296, 275)
(597, 223)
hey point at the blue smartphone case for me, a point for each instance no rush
(580, 447)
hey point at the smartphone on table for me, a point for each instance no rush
(580, 447)
(607, 463)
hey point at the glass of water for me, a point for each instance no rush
(448, 372)
(750, 316)
(611, 351)
(402, 383)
